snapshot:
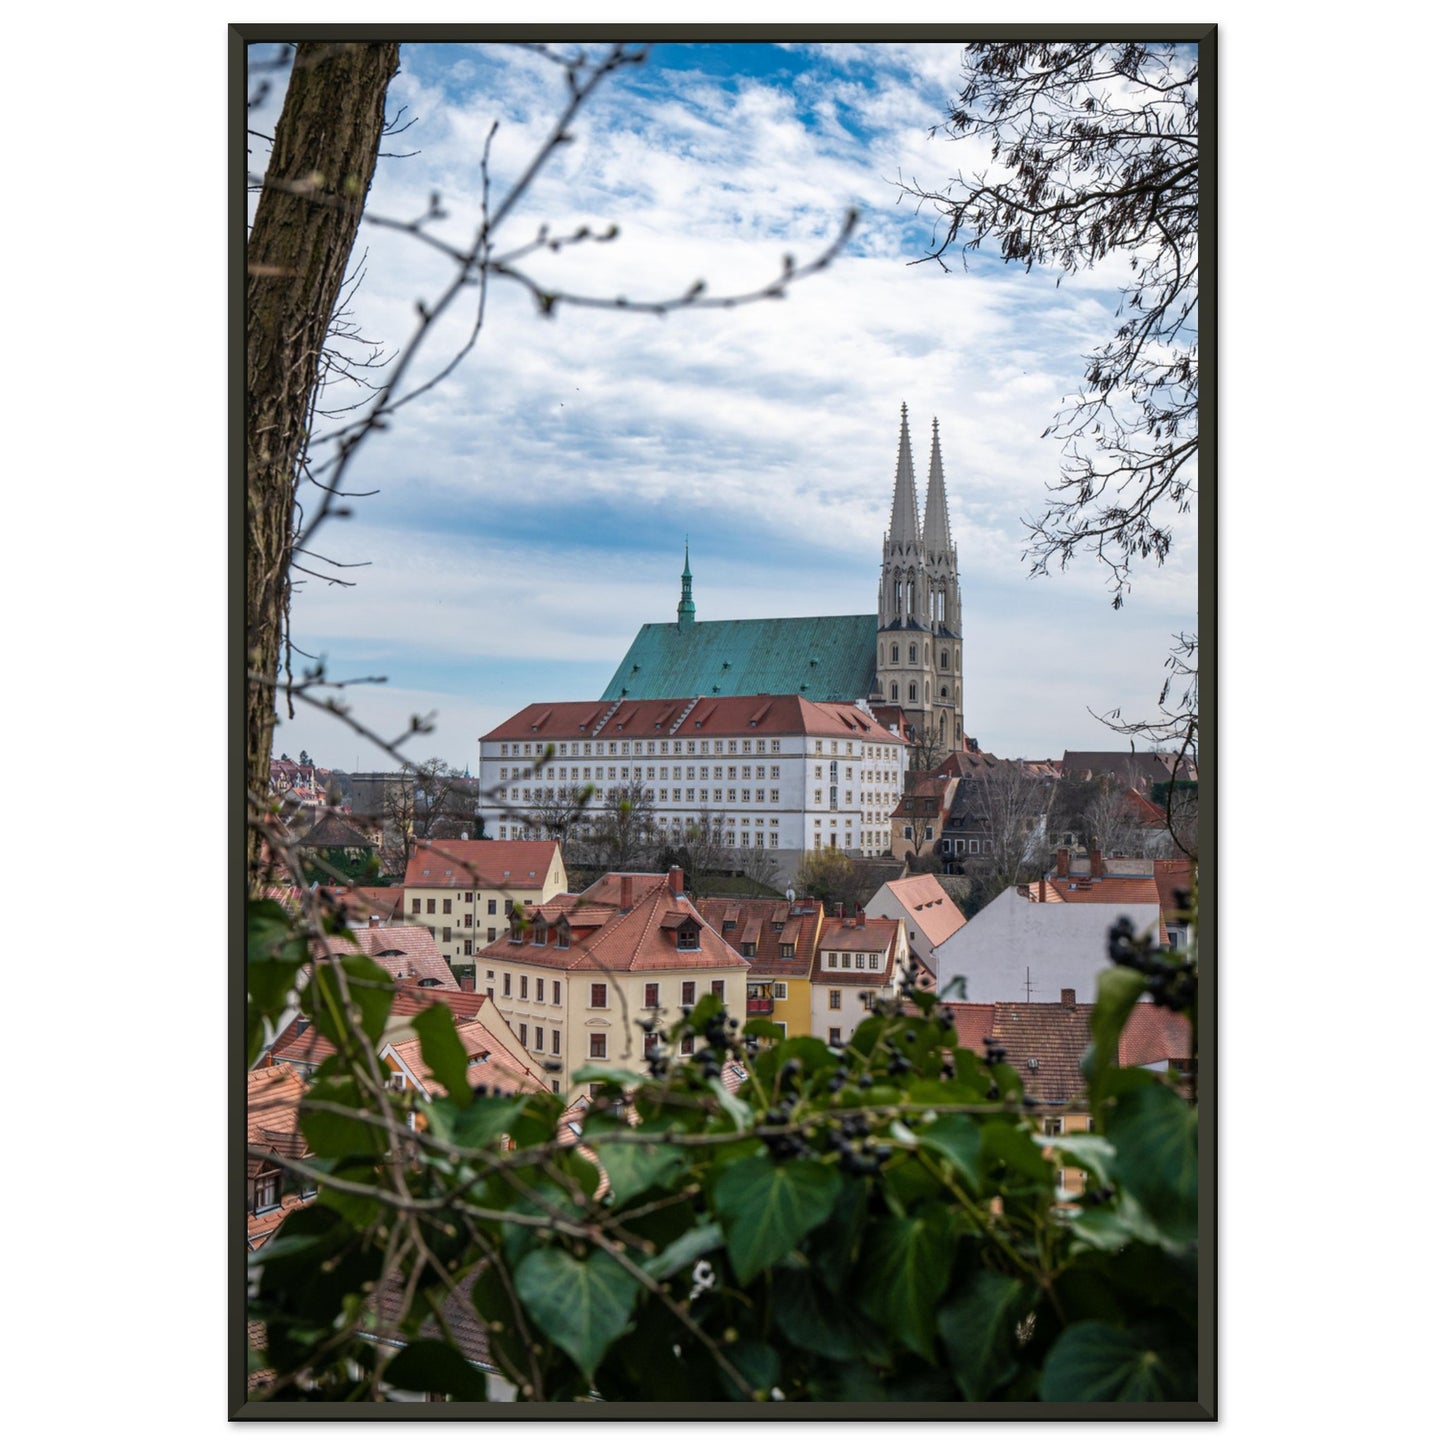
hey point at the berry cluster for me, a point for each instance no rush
(1172, 984)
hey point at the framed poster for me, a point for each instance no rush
(698, 962)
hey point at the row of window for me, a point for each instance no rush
(598, 993)
(625, 749)
(844, 959)
(835, 1001)
(913, 654)
(431, 906)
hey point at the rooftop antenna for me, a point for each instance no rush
(1028, 987)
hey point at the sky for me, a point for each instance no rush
(528, 514)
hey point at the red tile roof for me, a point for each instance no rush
(1153, 1035)
(972, 1023)
(768, 714)
(753, 921)
(481, 863)
(273, 1096)
(873, 935)
(364, 902)
(1095, 890)
(1045, 1042)
(927, 907)
(497, 1061)
(605, 939)
(406, 951)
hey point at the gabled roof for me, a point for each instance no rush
(603, 938)
(1127, 767)
(273, 1097)
(405, 952)
(333, 831)
(825, 658)
(495, 1060)
(691, 716)
(872, 935)
(1045, 1042)
(925, 906)
(972, 1023)
(365, 901)
(752, 921)
(1153, 1034)
(481, 863)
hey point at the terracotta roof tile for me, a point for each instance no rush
(1045, 1042)
(481, 863)
(1153, 1035)
(753, 920)
(925, 905)
(407, 951)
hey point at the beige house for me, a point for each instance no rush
(859, 959)
(597, 979)
(463, 891)
(927, 912)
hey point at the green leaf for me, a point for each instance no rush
(757, 1363)
(1094, 1361)
(685, 1250)
(905, 1272)
(978, 1332)
(1009, 1149)
(632, 1169)
(442, 1050)
(1116, 993)
(959, 1140)
(478, 1125)
(767, 1208)
(370, 988)
(1091, 1152)
(581, 1305)
(763, 1029)
(733, 1106)
(604, 1074)
(331, 1135)
(1156, 1154)
(433, 1366)
(813, 1319)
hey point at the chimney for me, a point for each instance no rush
(674, 881)
(1061, 864)
(469, 985)
(626, 892)
(1066, 997)
(1096, 863)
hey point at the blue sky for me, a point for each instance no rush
(529, 513)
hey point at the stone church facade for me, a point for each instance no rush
(906, 656)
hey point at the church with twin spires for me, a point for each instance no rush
(907, 656)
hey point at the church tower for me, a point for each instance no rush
(919, 627)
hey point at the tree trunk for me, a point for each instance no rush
(306, 222)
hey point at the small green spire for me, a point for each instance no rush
(686, 612)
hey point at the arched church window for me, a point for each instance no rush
(944, 663)
(912, 692)
(895, 652)
(893, 692)
(913, 652)
(943, 691)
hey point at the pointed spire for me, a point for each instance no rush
(937, 535)
(686, 612)
(904, 526)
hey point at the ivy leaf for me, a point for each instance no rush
(1094, 1361)
(478, 1125)
(369, 987)
(684, 1250)
(1008, 1149)
(813, 1319)
(1156, 1155)
(435, 1367)
(959, 1140)
(632, 1169)
(905, 1272)
(978, 1332)
(733, 1106)
(442, 1050)
(581, 1305)
(767, 1208)
(1116, 993)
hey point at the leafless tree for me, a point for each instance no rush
(1096, 150)
(1010, 806)
(322, 158)
(621, 827)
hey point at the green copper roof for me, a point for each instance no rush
(825, 659)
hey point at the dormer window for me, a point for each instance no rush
(539, 932)
(687, 935)
(266, 1193)
(516, 930)
(564, 934)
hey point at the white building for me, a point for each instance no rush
(774, 772)
(1018, 950)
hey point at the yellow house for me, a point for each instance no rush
(599, 978)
